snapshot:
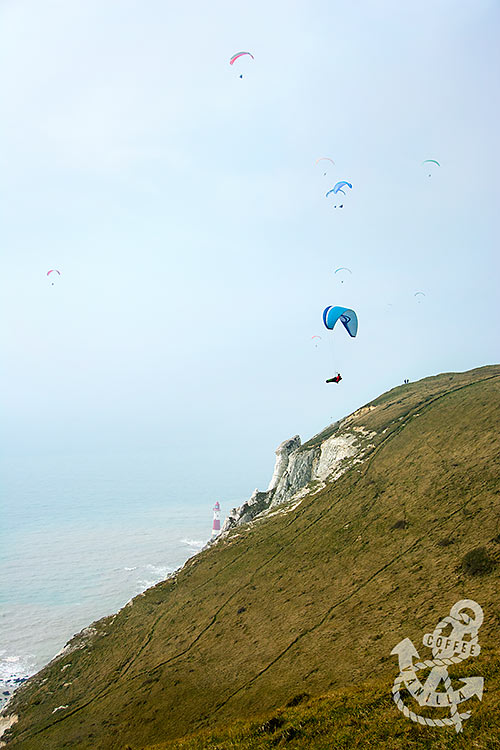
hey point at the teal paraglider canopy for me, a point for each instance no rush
(348, 318)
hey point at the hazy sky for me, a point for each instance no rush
(184, 209)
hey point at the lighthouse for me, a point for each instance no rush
(216, 523)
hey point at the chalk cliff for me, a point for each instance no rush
(323, 458)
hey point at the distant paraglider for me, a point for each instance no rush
(430, 161)
(342, 271)
(53, 270)
(237, 56)
(419, 296)
(325, 158)
(316, 337)
(338, 188)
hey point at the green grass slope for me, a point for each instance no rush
(308, 601)
(362, 716)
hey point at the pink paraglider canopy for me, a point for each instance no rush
(239, 54)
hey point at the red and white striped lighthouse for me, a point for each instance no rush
(216, 523)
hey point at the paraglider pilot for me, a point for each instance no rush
(336, 379)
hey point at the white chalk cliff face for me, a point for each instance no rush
(282, 454)
(297, 466)
(298, 472)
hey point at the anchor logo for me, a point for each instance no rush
(460, 643)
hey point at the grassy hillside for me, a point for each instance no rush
(308, 601)
(362, 716)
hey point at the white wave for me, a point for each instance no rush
(14, 670)
(155, 574)
(193, 543)
(12, 667)
(160, 571)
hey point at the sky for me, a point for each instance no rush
(186, 213)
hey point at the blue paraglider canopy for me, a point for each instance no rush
(348, 318)
(338, 187)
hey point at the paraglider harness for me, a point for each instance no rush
(336, 379)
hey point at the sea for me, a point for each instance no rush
(82, 535)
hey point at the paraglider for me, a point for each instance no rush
(342, 271)
(349, 320)
(338, 189)
(325, 158)
(419, 295)
(53, 270)
(430, 161)
(316, 337)
(237, 56)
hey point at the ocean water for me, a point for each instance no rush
(79, 537)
